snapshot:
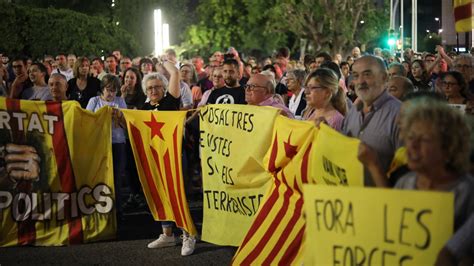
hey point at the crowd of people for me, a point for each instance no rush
(411, 112)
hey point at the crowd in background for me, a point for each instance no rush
(411, 112)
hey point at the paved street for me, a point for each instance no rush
(139, 230)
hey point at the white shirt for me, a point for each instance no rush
(295, 102)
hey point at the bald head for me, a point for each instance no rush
(258, 88)
(399, 87)
(369, 77)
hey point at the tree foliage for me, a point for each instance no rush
(239, 23)
(39, 31)
(330, 25)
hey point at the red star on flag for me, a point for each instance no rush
(290, 150)
(155, 127)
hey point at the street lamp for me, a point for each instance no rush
(158, 32)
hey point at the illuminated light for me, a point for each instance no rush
(117, 23)
(391, 41)
(158, 32)
(428, 31)
(166, 36)
(440, 30)
(436, 19)
(362, 22)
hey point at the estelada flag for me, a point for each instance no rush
(276, 234)
(156, 139)
(56, 178)
(464, 20)
(334, 161)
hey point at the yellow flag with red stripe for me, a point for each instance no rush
(463, 18)
(276, 234)
(156, 139)
(52, 191)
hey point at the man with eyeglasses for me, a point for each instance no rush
(260, 91)
(233, 92)
(463, 64)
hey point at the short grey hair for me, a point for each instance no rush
(299, 75)
(153, 76)
(464, 56)
(271, 80)
(401, 71)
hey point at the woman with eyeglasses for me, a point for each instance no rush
(325, 99)
(109, 86)
(162, 94)
(454, 87)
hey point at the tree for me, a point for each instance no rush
(38, 31)
(330, 25)
(239, 23)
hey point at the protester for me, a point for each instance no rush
(82, 87)
(420, 76)
(161, 95)
(260, 91)
(125, 63)
(71, 60)
(112, 65)
(63, 66)
(297, 103)
(189, 76)
(21, 80)
(325, 98)
(131, 90)
(109, 87)
(38, 75)
(164, 96)
(146, 66)
(399, 87)
(464, 64)
(373, 119)
(217, 82)
(98, 67)
(396, 69)
(58, 86)
(232, 93)
(454, 87)
(436, 137)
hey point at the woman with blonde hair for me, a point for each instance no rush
(325, 99)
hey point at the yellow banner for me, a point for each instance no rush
(156, 139)
(52, 190)
(234, 140)
(276, 234)
(335, 159)
(355, 226)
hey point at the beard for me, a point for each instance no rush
(231, 82)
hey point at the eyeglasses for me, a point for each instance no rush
(252, 87)
(446, 84)
(157, 88)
